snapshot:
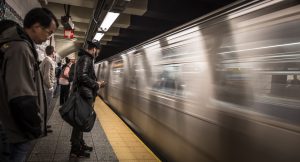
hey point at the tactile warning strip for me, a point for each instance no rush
(126, 145)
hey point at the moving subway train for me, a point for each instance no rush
(224, 87)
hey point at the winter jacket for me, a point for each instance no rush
(22, 99)
(85, 78)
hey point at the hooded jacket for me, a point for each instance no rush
(85, 77)
(22, 98)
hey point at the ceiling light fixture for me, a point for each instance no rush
(98, 36)
(108, 21)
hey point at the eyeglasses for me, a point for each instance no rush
(47, 30)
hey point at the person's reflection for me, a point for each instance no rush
(295, 80)
(293, 87)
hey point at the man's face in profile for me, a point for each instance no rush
(41, 34)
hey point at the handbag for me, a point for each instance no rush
(85, 115)
(78, 113)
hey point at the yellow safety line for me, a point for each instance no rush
(99, 104)
(142, 143)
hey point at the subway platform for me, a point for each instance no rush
(111, 138)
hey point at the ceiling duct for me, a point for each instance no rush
(119, 6)
(93, 27)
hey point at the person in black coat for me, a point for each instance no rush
(85, 82)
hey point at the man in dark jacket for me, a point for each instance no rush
(87, 86)
(23, 103)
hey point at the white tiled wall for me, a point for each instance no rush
(23, 6)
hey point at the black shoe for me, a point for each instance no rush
(49, 130)
(86, 148)
(79, 154)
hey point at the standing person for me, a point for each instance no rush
(47, 68)
(86, 82)
(23, 106)
(48, 73)
(64, 81)
(57, 74)
(71, 73)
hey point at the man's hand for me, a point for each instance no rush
(101, 83)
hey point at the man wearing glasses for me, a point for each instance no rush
(23, 109)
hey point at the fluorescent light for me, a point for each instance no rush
(98, 36)
(258, 48)
(108, 20)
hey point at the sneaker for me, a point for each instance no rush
(86, 148)
(79, 154)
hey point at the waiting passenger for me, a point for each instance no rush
(48, 73)
(23, 104)
(64, 81)
(57, 74)
(86, 82)
(72, 70)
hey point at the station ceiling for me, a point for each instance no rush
(139, 20)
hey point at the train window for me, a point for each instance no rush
(117, 72)
(293, 79)
(137, 73)
(283, 85)
(233, 86)
(168, 80)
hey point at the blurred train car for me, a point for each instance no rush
(224, 87)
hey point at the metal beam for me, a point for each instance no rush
(136, 7)
(80, 3)
(78, 14)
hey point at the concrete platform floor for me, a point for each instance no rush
(56, 146)
(111, 138)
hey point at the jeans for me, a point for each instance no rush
(77, 135)
(19, 151)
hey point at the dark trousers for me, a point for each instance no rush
(19, 151)
(64, 93)
(77, 135)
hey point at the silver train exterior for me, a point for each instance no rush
(224, 87)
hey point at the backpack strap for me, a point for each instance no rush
(2, 68)
(2, 63)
